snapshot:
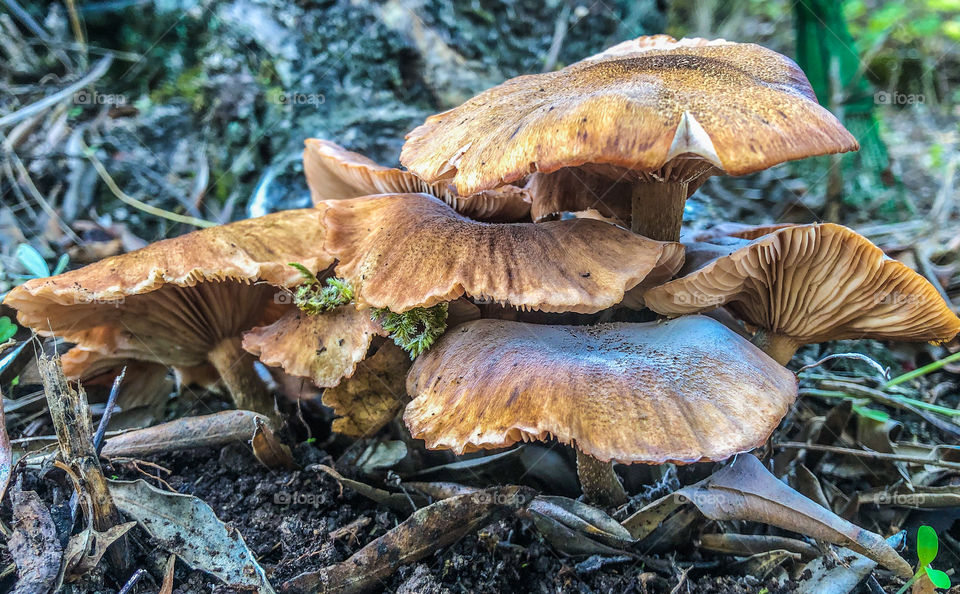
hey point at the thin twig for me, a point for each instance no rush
(130, 200)
(108, 411)
(798, 445)
(99, 69)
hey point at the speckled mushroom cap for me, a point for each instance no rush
(172, 300)
(647, 109)
(814, 283)
(334, 173)
(681, 391)
(324, 347)
(402, 251)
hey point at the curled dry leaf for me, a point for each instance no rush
(84, 550)
(269, 450)
(400, 502)
(426, 531)
(373, 396)
(214, 430)
(186, 526)
(745, 490)
(34, 545)
(576, 528)
(323, 347)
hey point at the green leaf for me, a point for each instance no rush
(927, 545)
(32, 261)
(938, 578)
(870, 413)
(7, 329)
(308, 276)
(61, 264)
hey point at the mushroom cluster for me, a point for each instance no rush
(508, 258)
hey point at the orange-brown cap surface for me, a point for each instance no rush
(649, 108)
(403, 251)
(171, 301)
(334, 173)
(814, 283)
(373, 396)
(682, 391)
(324, 347)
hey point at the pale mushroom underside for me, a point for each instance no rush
(814, 283)
(411, 250)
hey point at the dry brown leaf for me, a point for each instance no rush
(426, 531)
(269, 450)
(745, 490)
(34, 545)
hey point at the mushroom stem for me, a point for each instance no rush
(235, 367)
(599, 481)
(657, 209)
(780, 348)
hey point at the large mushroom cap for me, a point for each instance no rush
(681, 391)
(324, 347)
(334, 173)
(411, 250)
(173, 300)
(649, 108)
(814, 283)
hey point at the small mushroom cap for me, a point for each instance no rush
(334, 173)
(173, 300)
(324, 347)
(682, 391)
(402, 251)
(144, 383)
(814, 283)
(649, 109)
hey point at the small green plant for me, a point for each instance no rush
(315, 298)
(414, 330)
(35, 264)
(927, 546)
(7, 329)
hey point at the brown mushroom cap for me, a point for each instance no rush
(371, 398)
(324, 347)
(173, 300)
(643, 110)
(403, 251)
(682, 391)
(814, 283)
(334, 173)
(144, 383)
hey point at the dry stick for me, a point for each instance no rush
(797, 445)
(71, 420)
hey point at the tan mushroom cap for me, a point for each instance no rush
(814, 283)
(334, 173)
(403, 251)
(642, 110)
(172, 300)
(681, 391)
(324, 347)
(736, 231)
(144, 383)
